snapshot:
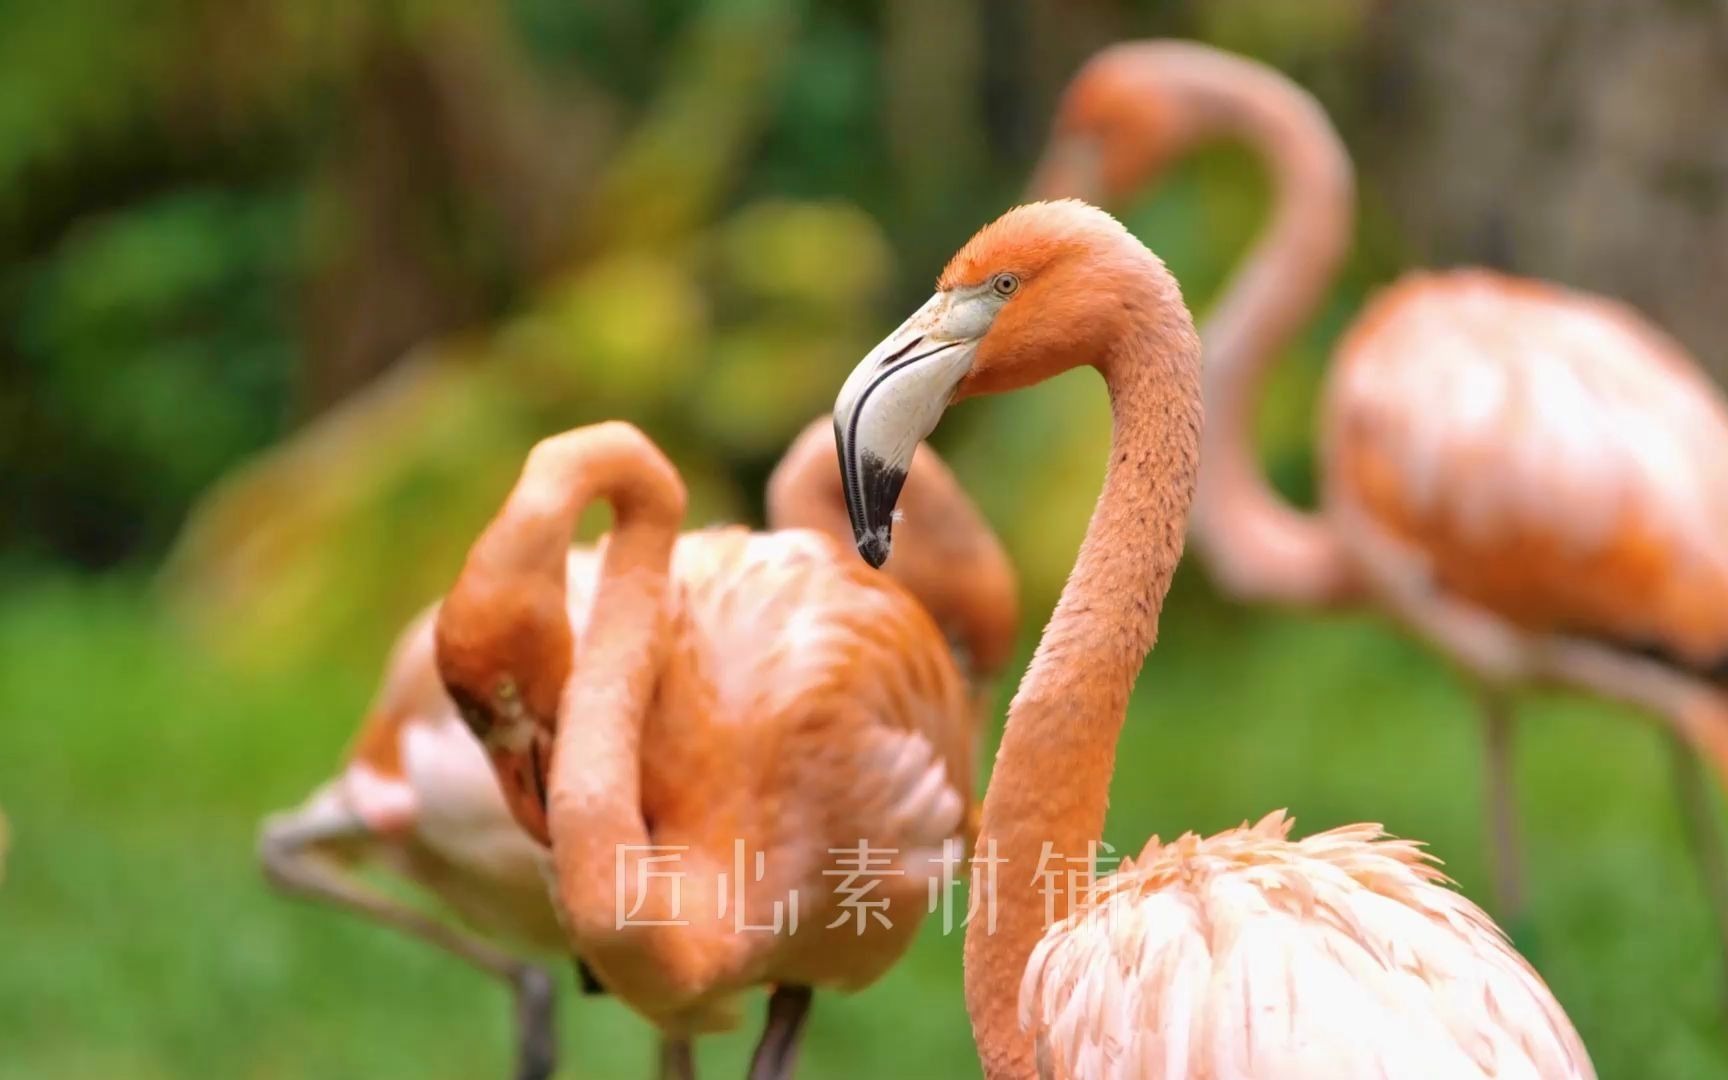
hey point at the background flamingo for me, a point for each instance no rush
(730, 696)
(1243, 955)
(416, 795)
(1534, 480)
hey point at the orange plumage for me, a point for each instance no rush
(728, 695)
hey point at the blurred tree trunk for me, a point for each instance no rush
(451, 189)
(384, 277)
(1581, 141)
(1032, 49)
(932, 59)
(1064, 34)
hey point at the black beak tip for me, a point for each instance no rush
(873, 547)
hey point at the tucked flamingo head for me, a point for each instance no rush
(504, 643)
(1120, 123)
(504, 655)
(1044, 288)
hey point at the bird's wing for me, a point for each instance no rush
(1246, 955)
(1549, 456)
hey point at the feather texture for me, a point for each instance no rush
(1250, 955)
(1550, 457)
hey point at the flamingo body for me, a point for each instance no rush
(1247, 954)
(747, 754)
(1546, 456)
(811, 702)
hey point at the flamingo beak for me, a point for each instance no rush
(1072, 168)
(890, 402)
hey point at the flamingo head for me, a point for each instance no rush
(1125, 117)
(1045, 287)
(504, 659)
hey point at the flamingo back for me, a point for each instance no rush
(804, 654)
(1547, 456)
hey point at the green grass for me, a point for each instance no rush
(136, 939)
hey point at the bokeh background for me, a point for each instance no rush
(287, 287)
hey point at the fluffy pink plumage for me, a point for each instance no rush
(1249, 955)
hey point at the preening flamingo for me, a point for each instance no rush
(418, 797)
(1532, 479)
(733, 727)
(1245, 955)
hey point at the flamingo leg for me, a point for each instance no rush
(677, 1061)
(298, 851)
(1703, 833)
(1500, 805)
(777, 1052)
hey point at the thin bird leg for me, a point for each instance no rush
(676, 1060)
(1703, 832)
(1490, 649)
(1500, 805)
(777, 1053)
(1698, 734)
(298, 852)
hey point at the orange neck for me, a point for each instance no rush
(1256, 544)
(594, 802)
(1050, 786)
(505, 643)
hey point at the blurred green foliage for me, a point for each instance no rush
(156, 352)
(287, 290)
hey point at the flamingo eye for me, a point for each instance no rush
(478, 720)
(1005, 285)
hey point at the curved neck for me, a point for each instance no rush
(1257, 545)
(1048, 791)
(594, 806)
(505, 643)
(949, 558)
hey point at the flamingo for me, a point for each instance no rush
(1243, 955)
(729, 729)
(1534, 480)
(417, 795)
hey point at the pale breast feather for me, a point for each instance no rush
(1249, 956)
